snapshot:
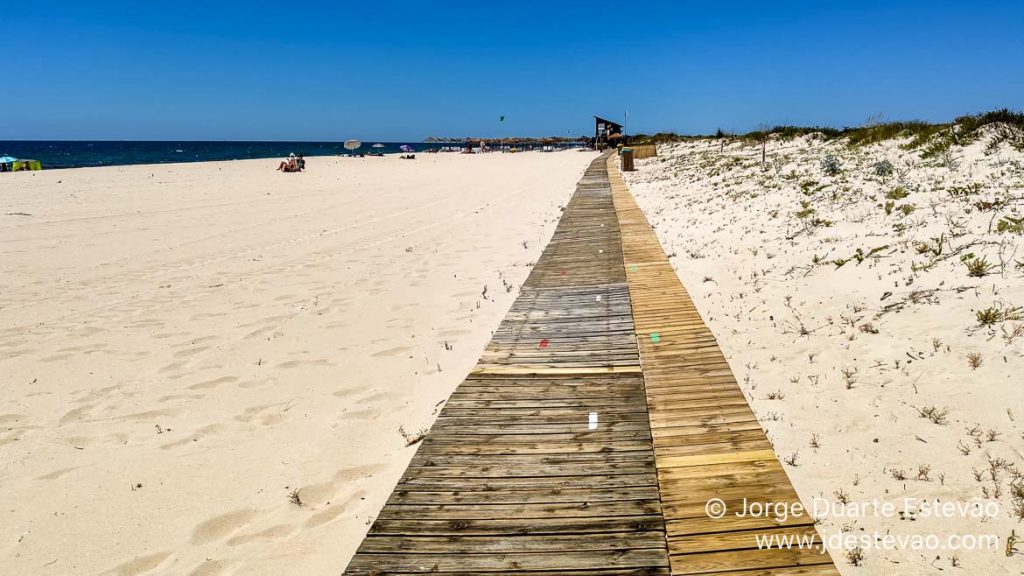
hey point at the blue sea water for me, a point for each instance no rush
(80, 153)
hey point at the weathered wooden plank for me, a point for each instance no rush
(542, 460)
(364, 563)
(515, 544)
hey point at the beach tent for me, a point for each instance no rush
(25, 164)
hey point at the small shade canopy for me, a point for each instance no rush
(378, 145)
(7, 159)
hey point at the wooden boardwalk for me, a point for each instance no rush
(543, 462)
(707, 442)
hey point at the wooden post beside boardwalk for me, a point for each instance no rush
(543, 460)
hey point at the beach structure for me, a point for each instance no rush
(595, 431)
(12, 164)
(604, 130)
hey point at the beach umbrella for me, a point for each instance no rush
(405, 148)
(377, 145)
(7, 159)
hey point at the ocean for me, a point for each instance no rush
(80, 153)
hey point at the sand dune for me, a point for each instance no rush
(848, 311)
(204, 367)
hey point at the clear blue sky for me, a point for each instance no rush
(393, 70)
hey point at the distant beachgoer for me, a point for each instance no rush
(3, 167)
(289, 165)
(300, 162)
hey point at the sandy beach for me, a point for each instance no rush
(209, 368)
(873, 318)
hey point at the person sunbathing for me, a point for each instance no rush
(289, 165)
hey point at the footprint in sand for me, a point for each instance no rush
(8, 419)
(172, 367)
(221, 526)
(213, 383)
(209, 568)
(259, 332)
(316, 495)
(150, 414)
(56, 473)
(261, 414)
(99, 393)
(208, 430)
(257, 383)
(333, 511)
(392, 351)
(190, 351)
(355, 472)
(273, 533)
(346, 392)
(75, 414)
(373, 398)
(365, 414)
(139, 564)
(12, 438)
(173, 397)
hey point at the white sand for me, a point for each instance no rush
(790, 327)
(182, 346)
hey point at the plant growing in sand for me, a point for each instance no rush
(1010, 225)
(977, 267)
(995, 314)
(1017, 498)
(964, 192)
(815, 441)
(897, 193)
(883, 168)
(922, 472)
(936, 415)
(855, 555)
(974, 360)
(411, 439)
(830, 165)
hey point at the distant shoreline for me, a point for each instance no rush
(58, 154)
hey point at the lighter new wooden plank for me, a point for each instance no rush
(707, 443)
